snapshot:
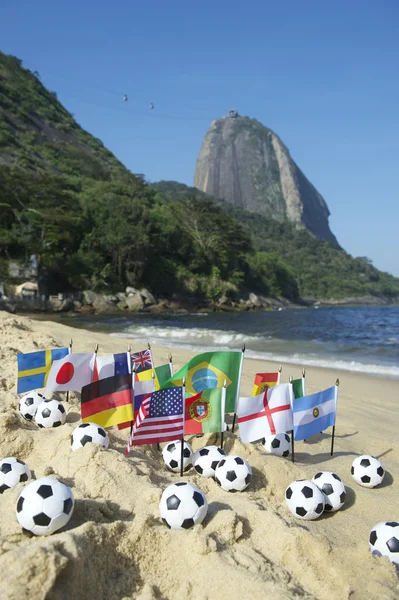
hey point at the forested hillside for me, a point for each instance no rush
(95, 225)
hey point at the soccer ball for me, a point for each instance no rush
(183, 505)
(304, 499)
(44, 506)
(29, 403)
(50, 413)
(333, 488)
(384, 540)
(172, 455)
(12, 472)
(89, 433)
(279, 444)
(233, 474)
(367, 471)
(206, 459)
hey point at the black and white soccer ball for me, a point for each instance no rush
(183, 505)
(44, 506)
(367, 471)
(333, 488)
(304, 499)
(384, 540)
(172, 455)
(50, 413)
(206, 459)
(12, 472)
(29, 404)
(278, 444)
(89, 433)
(233, 474)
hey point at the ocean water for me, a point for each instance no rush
(362, 339)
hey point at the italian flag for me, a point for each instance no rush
(204, 412)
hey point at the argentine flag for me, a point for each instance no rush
(312, 414)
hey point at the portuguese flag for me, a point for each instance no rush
(210, 370)
(108, 402)
(204, 412)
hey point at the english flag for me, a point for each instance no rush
(71, 373)
(266, 414)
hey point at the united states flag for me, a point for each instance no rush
(142, 360)
(160, 418)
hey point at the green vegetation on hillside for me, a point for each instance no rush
(95, 225)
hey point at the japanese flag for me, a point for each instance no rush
(71, 373)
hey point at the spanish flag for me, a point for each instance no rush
(34, 367)
(108, 402)
(264, 381)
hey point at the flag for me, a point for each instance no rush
(264, 381)
(204, 412)
(313, 414)
(107, 402)
(34, 367)
(160, 418)
(210, 370)
(298, 386)
(110, 365)
(71, 373)
(142, 360)
(266, 414)
(163, 373)
(142, 387)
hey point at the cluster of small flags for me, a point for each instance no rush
(127, 390)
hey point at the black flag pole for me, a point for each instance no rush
(291, 379)
(238, 389)
(333, 429)
(223, 413)
(182, 437)
(70, 352)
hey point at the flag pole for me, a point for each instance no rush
(279, 374)
(149, 349)
(133, 375)
(182, 437)
(333, 429)
(223, 412)
(170, 365)
(153, 381)
(303, 381)
(238, 389)
(292, 430)
(70, 352)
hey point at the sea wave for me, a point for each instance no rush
(205, 340)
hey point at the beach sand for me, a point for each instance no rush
(249, 546)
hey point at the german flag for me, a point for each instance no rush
(108, 402)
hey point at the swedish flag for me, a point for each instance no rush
(34, 367)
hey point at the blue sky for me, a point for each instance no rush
(323, 76)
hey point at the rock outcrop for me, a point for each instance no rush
(245, 163)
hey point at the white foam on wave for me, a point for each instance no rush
(225, 341)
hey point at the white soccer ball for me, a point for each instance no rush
(86, 433)
(367, 471)
(50, 413)
(12, 472)
(28, 405)
(233, 474)
(183, 505)
(333, 488)
(172, 455)
(44, 506)
(206, 459)
(384, 540)
(279, 444)
(304, 499)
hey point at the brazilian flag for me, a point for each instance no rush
(210, 370)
